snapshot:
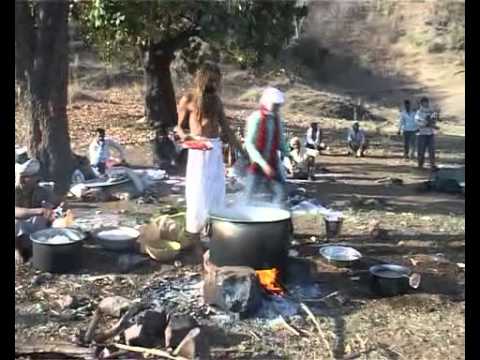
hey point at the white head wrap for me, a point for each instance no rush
(28, 168)
(271, 96)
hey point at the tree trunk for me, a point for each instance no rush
(160, 103)
(49, 140)
(23, 47)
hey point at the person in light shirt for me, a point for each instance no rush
(425, 120)
(99, 151)
(33, 207)
(408, 127)
(356, 140)
(301, 161)
(313, 138)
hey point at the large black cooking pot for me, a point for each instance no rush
(57, 250)
(257, 237)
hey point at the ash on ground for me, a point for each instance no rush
(183, 294)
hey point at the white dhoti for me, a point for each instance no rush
(204, 185)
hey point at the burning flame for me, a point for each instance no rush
(269, 280)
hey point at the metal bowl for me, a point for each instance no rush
(167, 252)
(341, 256)
(113, 238)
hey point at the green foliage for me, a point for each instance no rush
(246, 29)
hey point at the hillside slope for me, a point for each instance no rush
(386, 51)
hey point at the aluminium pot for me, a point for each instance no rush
(257, 237)
(117, 238)
(392, 280)
(57, 250)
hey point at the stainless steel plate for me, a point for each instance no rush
(340, 253)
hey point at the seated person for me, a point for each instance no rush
(301, 162)
(33, 207)
(357, 142)
(99, 151)
(313, 138)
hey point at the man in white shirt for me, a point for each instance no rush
(301, 161)
(357, 142)
(408, 127)
(99, 151)
(425, 120)
(313, 138)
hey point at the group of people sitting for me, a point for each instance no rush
(35, 202)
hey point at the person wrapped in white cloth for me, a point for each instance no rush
(202, 108)
(33, 206)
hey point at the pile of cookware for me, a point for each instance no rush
(60, 250)
(385, 279)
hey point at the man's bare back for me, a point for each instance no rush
(200, 126)
(206, 126)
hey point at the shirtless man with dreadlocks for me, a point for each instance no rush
(202, 110)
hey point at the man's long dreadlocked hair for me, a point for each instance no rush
(206, 84)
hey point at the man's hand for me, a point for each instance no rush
(48, 214)
(269, 171)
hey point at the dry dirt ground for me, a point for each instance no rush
(425, 231)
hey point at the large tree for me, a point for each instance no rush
(41, 51)
(159, 28)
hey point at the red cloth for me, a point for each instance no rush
(197, 145)
(262, 141)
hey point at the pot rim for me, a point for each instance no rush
(236, 221)
(401, 270)
(81, 235)
(287, 216)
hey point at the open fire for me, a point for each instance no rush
(269, 279)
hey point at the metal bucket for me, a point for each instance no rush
(333, 227)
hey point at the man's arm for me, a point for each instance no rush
(309, 137)
(250, 141)
(401, 122)
(26, 213)
(183, 115)
(92, 153)
(420, 119)
(350, 135)
(119, 148)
